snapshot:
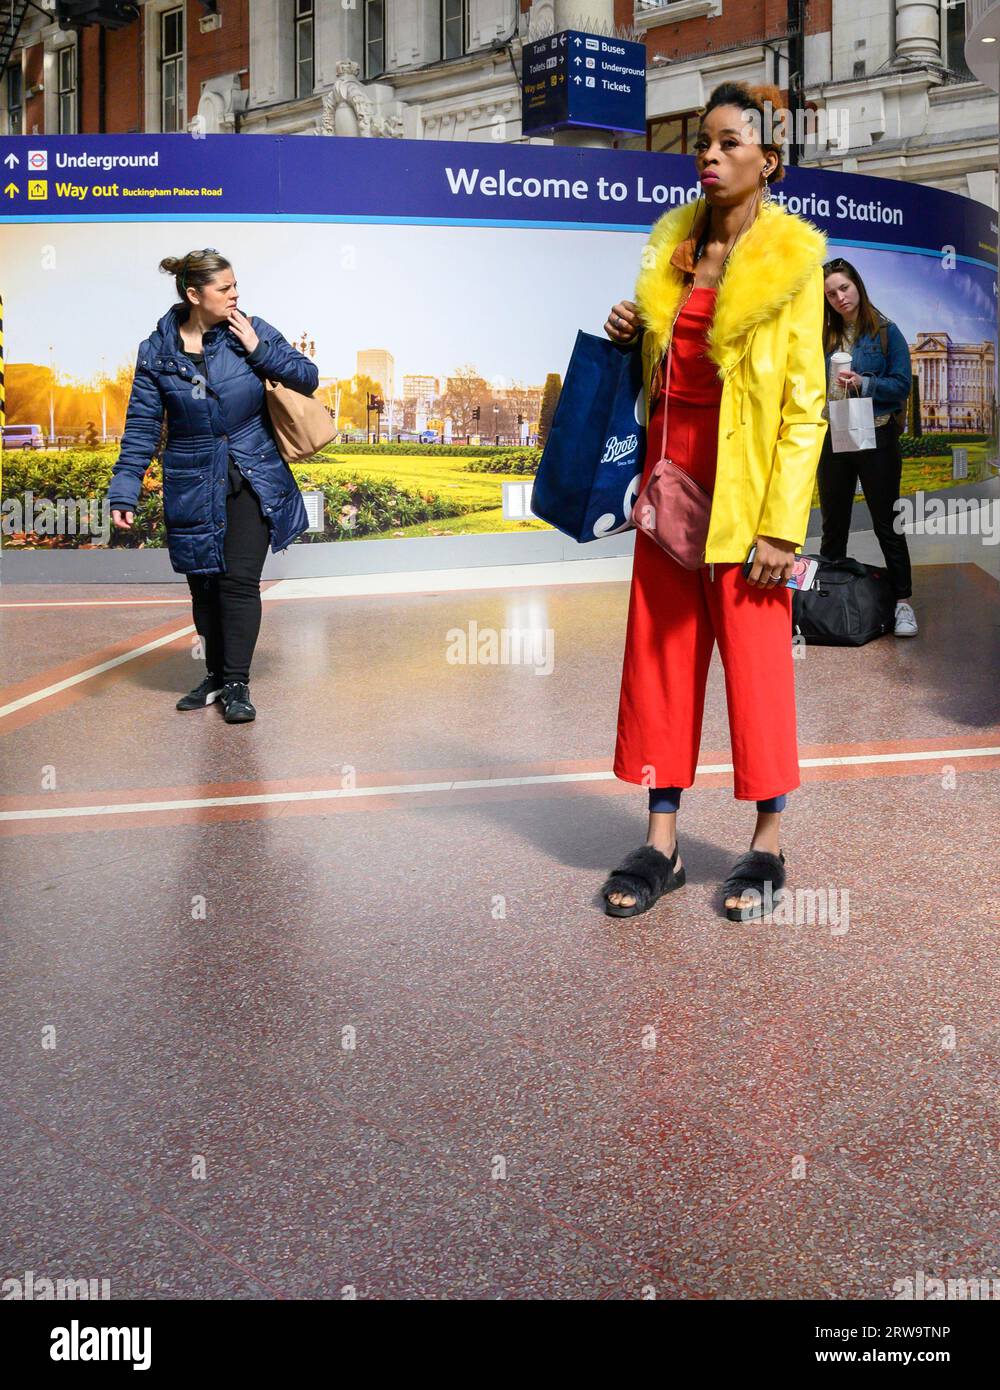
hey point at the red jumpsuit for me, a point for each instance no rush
(676, 616)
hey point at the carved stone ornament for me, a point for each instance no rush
(352, 107)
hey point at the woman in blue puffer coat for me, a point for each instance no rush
(227, 492)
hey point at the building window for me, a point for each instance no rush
(675, 134)
(15, 99)
(173, 107)
(66, 89)
(453, 34)
(304, 48)
(374, 38)
(954, 39)
(669, 135)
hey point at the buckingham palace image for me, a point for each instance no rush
(955, 382)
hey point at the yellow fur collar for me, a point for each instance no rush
(767, 267)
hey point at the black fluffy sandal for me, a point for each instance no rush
(645, 874)
(757, 872)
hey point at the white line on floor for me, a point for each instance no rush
(25, 700)
(931, 754)
(410, 788)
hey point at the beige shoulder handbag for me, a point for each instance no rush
(301, 424)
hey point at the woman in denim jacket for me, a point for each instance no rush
(880, 369)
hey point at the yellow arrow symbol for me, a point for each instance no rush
(11, 189)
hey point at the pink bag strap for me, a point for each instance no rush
(666, 395)
(666, 382)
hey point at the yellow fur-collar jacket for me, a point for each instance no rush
(766, 339)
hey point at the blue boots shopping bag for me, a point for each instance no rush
(591, 466)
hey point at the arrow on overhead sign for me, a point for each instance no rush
(12, 159)
(11, 189)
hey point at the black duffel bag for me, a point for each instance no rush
(849, 604)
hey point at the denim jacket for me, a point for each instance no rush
(886, 377)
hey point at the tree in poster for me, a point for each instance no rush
(550, 399)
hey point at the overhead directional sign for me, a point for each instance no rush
(576, 79)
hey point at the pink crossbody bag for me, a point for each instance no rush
(672, 509)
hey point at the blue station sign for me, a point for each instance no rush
(574, 79)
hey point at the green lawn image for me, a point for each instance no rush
(932, 473)
(448, 477)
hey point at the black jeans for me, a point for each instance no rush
(227, 606)
(880, 470)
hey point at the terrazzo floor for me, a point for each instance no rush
(328, 1005)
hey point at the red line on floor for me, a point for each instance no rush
(550, 768)
(31, 684)
(206, 814)
(49, 704)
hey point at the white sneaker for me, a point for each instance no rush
(906, 620)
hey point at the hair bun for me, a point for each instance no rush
(768, 92)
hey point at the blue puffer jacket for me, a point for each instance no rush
(205, 424)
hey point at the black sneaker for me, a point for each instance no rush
(205, 694)
(236, 704)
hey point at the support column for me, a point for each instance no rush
(918, 32)
(594, 16)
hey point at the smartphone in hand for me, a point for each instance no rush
(803, 575)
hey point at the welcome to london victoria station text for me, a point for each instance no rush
(504, 185)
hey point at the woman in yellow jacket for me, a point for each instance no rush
(735, 285)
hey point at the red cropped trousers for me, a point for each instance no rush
(676, 616)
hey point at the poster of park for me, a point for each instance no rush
(441, 335)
